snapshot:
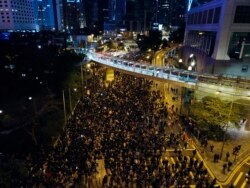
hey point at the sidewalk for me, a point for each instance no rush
(216, 168)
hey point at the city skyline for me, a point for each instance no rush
(58, 15)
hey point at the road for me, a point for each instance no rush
(238, 176)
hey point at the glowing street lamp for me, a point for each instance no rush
(192, 63)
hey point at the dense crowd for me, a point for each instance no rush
(125, 125)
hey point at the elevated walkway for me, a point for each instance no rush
(174, 76)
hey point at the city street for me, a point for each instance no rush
(237, 178)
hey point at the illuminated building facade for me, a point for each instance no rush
(16, 15)
(217, 34)
(74, 17)
(169, 12)
(44, 14)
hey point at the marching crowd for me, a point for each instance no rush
(125, 125)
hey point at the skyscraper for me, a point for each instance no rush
(169, 12)
(44, 14)
(58, 14)
(217, 33)
(73, 15)
(117, 10)
(16, 15)
(195, 3)
(138, 15)
(130, 15)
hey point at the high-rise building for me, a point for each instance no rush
(58, 14)
(73, 15)
(16, 15)
(92, 9)
(218, 36)
(129, 15)
(117, 10)
(169, 12)
(44, 14)
(116, 14)
(139, 15)
(195, 3)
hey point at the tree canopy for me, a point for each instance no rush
(213, 111)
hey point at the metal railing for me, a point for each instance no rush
(176, 75)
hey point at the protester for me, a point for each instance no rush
(124, 124)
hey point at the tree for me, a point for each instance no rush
(211, 111)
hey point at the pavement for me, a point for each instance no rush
(238, 137)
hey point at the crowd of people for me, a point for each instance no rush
(124, 124)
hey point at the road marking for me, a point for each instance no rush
(238, 179)
(188, 149)
(172, 159)
(244, 184)
(191, 174)
(235, 170)
(217, 185)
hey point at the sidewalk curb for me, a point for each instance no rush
(230, 175)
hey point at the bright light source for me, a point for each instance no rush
(191, 55)
(30, 98)
(180, 60)
(193, 63)
(88, 65)
(1, 111)
(75, 89)
(190, 68)
(39, 46)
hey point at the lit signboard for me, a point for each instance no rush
(73, 1)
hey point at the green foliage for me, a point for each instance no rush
(65, 63)
(211, 111)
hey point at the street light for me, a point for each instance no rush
(70, 99)
(30, 98)
(224, 136)
(64, 107)
(192, 62)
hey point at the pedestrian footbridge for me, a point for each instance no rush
(204, 84)
(179, 77)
